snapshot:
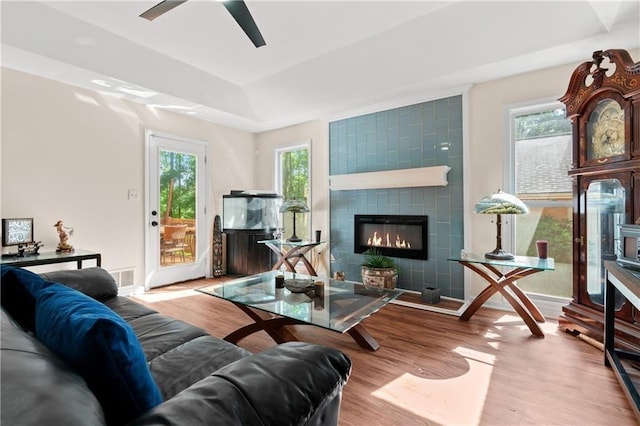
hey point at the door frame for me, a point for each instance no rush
(152, 235)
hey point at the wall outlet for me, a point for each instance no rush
(133, 195)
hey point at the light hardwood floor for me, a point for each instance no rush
(433, 369)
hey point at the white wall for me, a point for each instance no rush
(488, 134)
(73, 154)
(317, 132)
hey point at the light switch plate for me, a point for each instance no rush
(134, 195)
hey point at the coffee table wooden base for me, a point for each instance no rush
(499, 282)
(363, 338)
(275, 327)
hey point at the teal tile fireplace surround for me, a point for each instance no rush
(420, 135)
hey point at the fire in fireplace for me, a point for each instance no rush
(380, 241)
(393, 235)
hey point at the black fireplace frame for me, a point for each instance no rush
(375, 219)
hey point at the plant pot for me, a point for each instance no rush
(379, 277)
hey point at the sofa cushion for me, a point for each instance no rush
(18, 294)
(179, 368)
(95, 282)
(178, 353)
(127, 309)
(101, 346)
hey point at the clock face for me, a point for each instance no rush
(605, 131)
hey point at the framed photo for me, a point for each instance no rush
(17, 231)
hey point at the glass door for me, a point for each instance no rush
(176, 231)
(177, 207)
(605, 201)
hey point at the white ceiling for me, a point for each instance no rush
(322, 58)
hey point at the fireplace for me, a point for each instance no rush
(393, 235)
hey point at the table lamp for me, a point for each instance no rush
(500, 203)
(294, 206)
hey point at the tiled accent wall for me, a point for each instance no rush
(421, 135)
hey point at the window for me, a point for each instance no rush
(293, 182)
(540, 143)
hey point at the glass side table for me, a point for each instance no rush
(501, 276)
(289, 251)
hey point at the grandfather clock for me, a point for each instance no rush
(603, 103)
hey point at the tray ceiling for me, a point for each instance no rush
(322, 59)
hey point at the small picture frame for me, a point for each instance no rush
(17, 231)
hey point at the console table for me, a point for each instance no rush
(291, 250)
(499, 281)
(628, 284)
(51, 257)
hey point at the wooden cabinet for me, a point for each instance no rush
(603, 102)
(245, 256)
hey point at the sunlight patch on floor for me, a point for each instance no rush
(508, 319)
(169, 295)
(491, 335)
(494, 345)
(548, 327)
(440, 400)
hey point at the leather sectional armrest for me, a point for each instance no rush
(290, 384)
(94, 282)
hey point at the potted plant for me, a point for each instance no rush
(378, 270)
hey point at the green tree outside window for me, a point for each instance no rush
(177, 185)
(294, 178)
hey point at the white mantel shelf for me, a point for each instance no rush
(404, 178)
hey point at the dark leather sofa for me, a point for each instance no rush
(202, 379)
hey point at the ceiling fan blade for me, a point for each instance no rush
(161, 8)
(238, 9)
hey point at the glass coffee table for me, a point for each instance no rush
(339, 306)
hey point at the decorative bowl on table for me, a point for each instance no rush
(295, 285)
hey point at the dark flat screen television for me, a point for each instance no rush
(17, 231)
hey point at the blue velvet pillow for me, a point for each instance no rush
(101, 346)
(18, 294)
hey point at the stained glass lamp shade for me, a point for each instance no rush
(294, 206)
(500, 203)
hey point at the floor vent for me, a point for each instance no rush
(123, 277)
